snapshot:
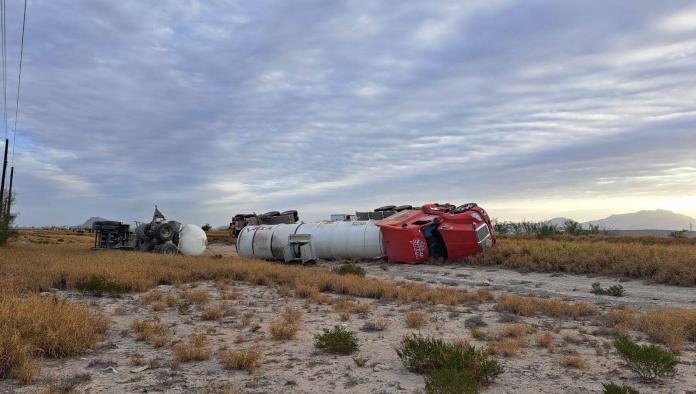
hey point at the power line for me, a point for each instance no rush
(19, 82)
(4, 62)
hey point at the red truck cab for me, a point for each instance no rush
(441, 231)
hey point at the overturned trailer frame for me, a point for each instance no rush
(410, 236)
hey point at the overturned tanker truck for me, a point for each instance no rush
(411, 236)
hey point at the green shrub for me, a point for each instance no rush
(450, 381)
(360, 361)
(338, 340)
(98, 285)
(349, 269)
(648, 361)
(615, 290)
(613, 388)
(426, 354)
(183, 307)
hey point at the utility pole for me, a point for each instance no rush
(9, 196)
(2, 184)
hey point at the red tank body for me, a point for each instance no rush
(436, 230)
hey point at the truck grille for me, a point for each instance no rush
(483, 235)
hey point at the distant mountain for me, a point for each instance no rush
(88, 224)
(558, 222)
(659, 219)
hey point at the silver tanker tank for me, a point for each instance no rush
(330, 241)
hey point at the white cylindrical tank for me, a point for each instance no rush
(192, 240)
(330, 241)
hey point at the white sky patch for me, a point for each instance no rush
(679, 22)
(370, 90)
(32, 165)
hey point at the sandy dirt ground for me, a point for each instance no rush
(296, 366)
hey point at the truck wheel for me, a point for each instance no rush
(140, 232)
(291, 212)
(272, 213)
(385, 208)
(145, 246)
(168, 248)
(164, 232)
(464, 208)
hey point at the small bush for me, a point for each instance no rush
(415, 319)
(530, 306)
(287, 325)
(350, 269)
(338, 340)
(517, 330)
(195, 297)
(574, 362)
(475, 322)
(241, 360)
(378, 325)
(612, 388)
(360, 361)
(212, 313)
(98, 285)
(195, 350)
(615, 290)
(450, 381)
(507, 347)
(426, 354)
(155, 333)
(648, 361)
(183, 308)
(281, 330)
(545, 340)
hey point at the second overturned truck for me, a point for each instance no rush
(411, 236)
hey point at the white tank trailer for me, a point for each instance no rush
(359, 240)
(406, 236)
(170, 237)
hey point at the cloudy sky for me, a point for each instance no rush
(533, 109)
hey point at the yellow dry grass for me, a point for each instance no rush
(545, 340)
(287, 325)
(30, 268)
(506, 347)
(196, 349)
(530, 306)
(155, 333)
(671, 263)
(36, 327)
(248, 359)
(672, 327)
(415, 319)
(516, 330)
(194, 297)
(213, 312)
(576, 362)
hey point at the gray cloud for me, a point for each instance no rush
(211, 108)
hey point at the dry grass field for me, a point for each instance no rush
(74, 319)
(658, 261)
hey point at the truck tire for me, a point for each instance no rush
(141, 232)
(167, 248)
(403, 208)
(164, 232)
(385, 208)
(291, 212)
(464, 208)
(272, 213)
(145, 246)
